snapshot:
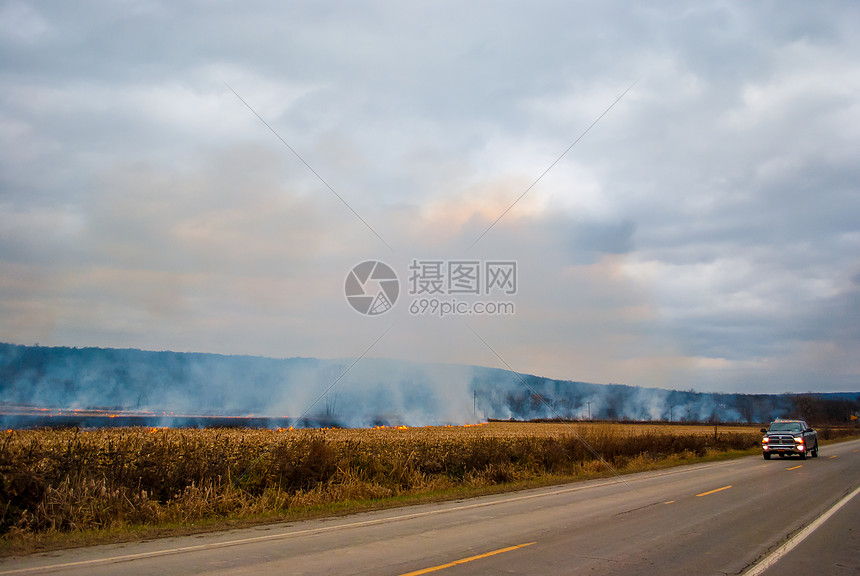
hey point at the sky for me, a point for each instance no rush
(203, 176)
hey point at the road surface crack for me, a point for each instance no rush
(638, 508)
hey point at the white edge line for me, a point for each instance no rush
(774, 557)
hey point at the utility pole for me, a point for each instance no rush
(475, 403)
(589, 409)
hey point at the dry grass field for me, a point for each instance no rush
(69, 480)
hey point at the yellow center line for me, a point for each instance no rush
(795, 467)
(464, 560)
(835, 456)
(669, 502)
(712, 491)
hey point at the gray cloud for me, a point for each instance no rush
(704, 233)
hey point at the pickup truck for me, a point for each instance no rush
(785, 437)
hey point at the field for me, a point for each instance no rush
(65, 481)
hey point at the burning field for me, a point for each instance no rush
(29, 417)
(73, 480)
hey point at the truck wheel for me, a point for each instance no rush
(766, 455)
(815, 451)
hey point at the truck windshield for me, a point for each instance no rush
(785, 427)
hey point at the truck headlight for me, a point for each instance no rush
(765, 440)
(799, 440)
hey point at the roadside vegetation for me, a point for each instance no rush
(120, 483)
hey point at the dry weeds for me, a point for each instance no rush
(75, 480)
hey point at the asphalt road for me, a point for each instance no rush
(716, 518)
(833, 548)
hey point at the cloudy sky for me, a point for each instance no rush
(705, 233)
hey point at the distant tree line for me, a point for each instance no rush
(527, 397)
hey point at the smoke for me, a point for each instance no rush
(372, 392)
(504, 395)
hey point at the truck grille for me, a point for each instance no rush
(781, 441)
